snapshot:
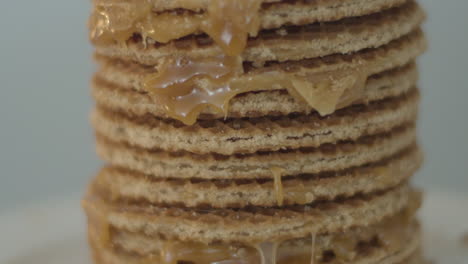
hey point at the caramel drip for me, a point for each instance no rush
(330, 90)
(179, 85)
(227, 22)
(312, 249)
(268, 252)
(278, 184)
(230, 22)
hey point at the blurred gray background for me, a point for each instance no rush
(46, 144)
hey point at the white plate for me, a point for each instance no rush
(55, 233)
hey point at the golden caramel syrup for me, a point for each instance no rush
(312, 248)
(117, 20)
(327, 91)
(230, 21)
(185, 86)
(278, 184)
(227, 22)
(169, 26)
(268, 252)
(179, 89)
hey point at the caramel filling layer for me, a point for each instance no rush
(186, 86)
(227, 22)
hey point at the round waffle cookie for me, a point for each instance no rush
(286, 43)
(205, 224)
(163, 22)
(372, 244)
(286, 9)
(260, 131)
(327, 157)
(258, 134)
(374, 228)
(120, 95)
(286, 190)
(119, 85)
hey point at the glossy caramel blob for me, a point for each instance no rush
(268, 252)
(178, 85)
(278, 184)
(169, 26)
(227, 22)
(330, 90)
(185, 87)
(117, 20)
(312, 248)
(230, 21)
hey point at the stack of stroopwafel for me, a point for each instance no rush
(255, 131)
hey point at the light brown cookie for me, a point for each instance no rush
(295, 189)
(327, 157)
(207, 225)
(390, 83)
(389, 238)
(128, 77)
(336, 7)
(257, 134)
(288, 43)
